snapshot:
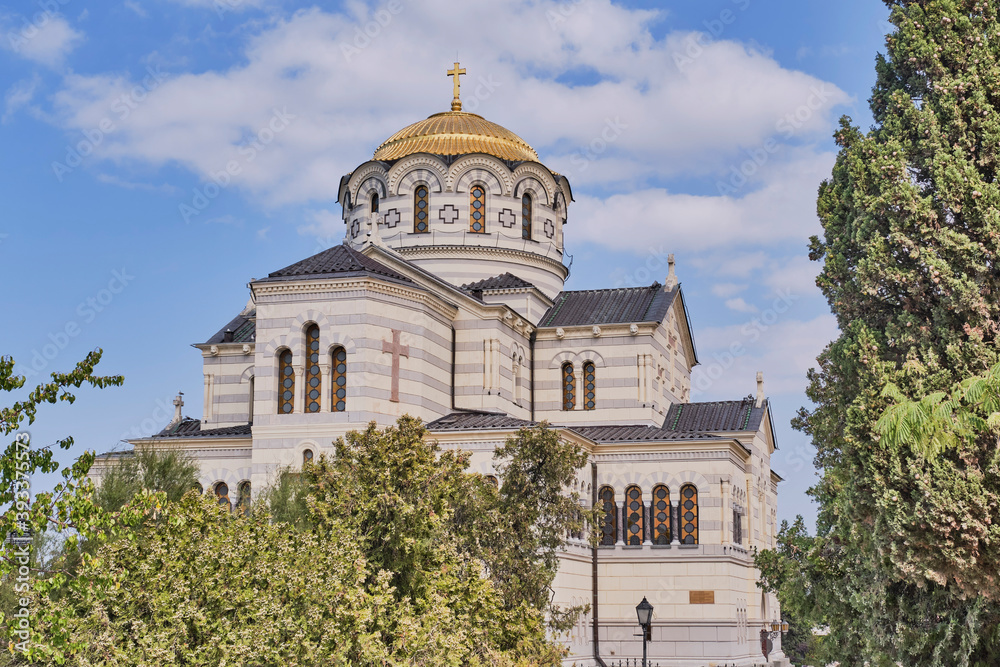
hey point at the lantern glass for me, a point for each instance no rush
(784, 627)
(644, 611)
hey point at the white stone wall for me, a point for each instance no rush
(228, 369)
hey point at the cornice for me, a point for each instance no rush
(521, 255)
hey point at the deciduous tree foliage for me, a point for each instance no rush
(904, 566)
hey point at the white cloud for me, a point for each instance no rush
(18, 96)
(727, 290)
(740, 306)
(786, 348)
(44, 38)
(325, 224)
(335, 80)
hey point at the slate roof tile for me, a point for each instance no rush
(191, 428)
(610, 306)
(715, 417)
(244, 328)
(503, 281)
(470, 421)
(338, 260)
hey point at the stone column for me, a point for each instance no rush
(620, 536)
(207, 410)
(675, 519)
(325, 394)
(300, 388)
(578, 402)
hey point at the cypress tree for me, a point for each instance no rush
(907, 555)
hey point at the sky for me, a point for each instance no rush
(698, 129)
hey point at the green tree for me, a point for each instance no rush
(146, 469)
(906, 554)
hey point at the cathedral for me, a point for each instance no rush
(446, 301)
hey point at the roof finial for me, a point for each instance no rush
(671, 281)
(178, 404)
(760, 388)
(456, 104)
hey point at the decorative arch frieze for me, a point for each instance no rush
(534, 179)
(578, 358)
(426, 168)
(362, 175)
(482, 168)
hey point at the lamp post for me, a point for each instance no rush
(766, 637)
(644, 611)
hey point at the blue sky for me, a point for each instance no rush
(699, 129)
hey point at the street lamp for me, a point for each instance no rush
(644, 611)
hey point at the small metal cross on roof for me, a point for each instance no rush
(456, 104)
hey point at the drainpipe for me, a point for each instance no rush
(531, 348)
(597, 639)
(453, 338)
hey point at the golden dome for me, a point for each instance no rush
(456, 133)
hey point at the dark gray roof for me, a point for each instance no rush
(469, 421)
(191, 428)
(244, 328)
(718, 416)
(610, 306)
(503, 281)
(605, 434)
(339, 260)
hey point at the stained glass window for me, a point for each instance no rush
(374, 207)
(737, 527)
(421, 210)
(477, 209)
(244, 497)
(634, 510)
(493, 480)
(222, 494)
(568, 387)
(609, 521)
(526, 216)
(307, 456)
(313, 388)
(589, 386)
(689, 514)
(661, 515)
(286, 383)
(338, 379)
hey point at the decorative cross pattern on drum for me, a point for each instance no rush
(338, 379)
(312, 369)
(661, 515)
(634, 510)
(609, 522)
(589, 386)
(526, 216)
(569, 387)
(477, 210)
(286, 383)
(421, 210)
(689, 514)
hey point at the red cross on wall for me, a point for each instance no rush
(397, 351)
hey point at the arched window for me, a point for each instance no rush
(493, 480)
(250, 406)
(243, 502)
(737, 527)
(661, 515)
(374, 202)
(222, 494)
(609, 519)
(286, 383)
(589, 386)
(477, 209)
(689, 514)
(526, 216)
(338, 380)
(634, 516)
(199, 488)
(307, 456)
(568, 387)
(421, 210)
(313, 389)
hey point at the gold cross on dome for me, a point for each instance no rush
(456, 104)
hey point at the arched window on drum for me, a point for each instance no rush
(477, 209)
(421, 209)
(526, 214)
(688, 513)
(338, 379)
(660, 515)
(634, 514)
(313, 388)
(609, 516)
